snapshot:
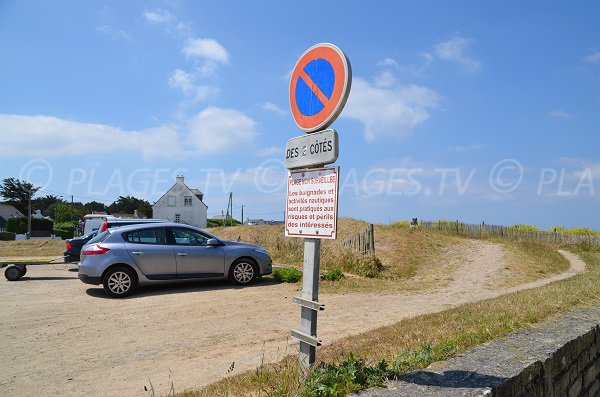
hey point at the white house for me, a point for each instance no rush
(181, 204)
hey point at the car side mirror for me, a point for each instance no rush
(213, 242)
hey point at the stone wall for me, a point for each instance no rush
(559, 358)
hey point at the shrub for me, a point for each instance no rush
(287, 275)
(19, 225)
(16, 225)
(7, 236)
(527, 228)
(63, 233)
(351, 375)
(401, 224)
(65, 229)
(333, 275)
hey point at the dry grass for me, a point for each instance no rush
(460, 329)
(528, 261)
(31, 248)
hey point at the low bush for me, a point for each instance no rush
(7, 236)
(19, 225)
(62, 233)
(527, 228)
(64, 229)
(332, 275)
(287, 275)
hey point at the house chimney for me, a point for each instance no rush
(179, 179)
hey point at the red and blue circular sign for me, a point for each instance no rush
(319, 87)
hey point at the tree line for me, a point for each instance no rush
(17, 193)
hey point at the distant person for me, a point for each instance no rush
(80, 226)
(414, 222)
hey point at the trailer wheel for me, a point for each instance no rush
(13, 273)
(23, 271)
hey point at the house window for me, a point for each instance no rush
(171, 201)
(177, 218)
(187, 201)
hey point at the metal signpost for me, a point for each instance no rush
(319, 88)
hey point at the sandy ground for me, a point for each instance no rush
(62, 337)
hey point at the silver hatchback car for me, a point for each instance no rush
(127, 257)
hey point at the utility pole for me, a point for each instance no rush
(71, 212)
(29, 215)
(242, 219)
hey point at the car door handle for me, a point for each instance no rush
(182, 254)
(137, 252)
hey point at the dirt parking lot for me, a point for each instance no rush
(62, 337)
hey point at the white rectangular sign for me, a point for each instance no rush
(319, 148)
(311, 203)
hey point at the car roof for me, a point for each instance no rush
(148, 225)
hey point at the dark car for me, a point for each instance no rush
(74, 245)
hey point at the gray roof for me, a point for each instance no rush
(7, 211)
(197, 192)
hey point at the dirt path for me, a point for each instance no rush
(61, 337)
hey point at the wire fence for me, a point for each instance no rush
(510, 232)
(363, 243)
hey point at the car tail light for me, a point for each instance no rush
(69, 246)
(95, 249)
(104, 226)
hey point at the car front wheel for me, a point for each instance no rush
(119, 282)
(242, 272)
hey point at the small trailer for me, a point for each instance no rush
(17, 267)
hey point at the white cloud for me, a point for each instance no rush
(273, 108)
(594, 58)
(207, 49)
(454, 50)
(114, 34)
(158, 16)
(216, 130)
(560, 114)
(388, 62)
(389, 111)
(385, 79)
(51, 136)
(193, 92)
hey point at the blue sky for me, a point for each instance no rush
(469, 110)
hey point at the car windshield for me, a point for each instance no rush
(99, 238)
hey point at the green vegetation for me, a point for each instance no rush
(7, 236)
(332, 275)
(287, 275)
(526, 228)
(215, 222)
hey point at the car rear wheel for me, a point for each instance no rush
(242, 272)
(119, 282)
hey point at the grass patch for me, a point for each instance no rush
(287, 275)
(332, 275)
(417, 342)
(530, 260)
(30, 248)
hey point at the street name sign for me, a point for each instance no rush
(316, 149)
(311, 203)
(319, 87)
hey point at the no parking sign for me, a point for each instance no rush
(319, 87)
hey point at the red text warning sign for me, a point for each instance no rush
(312, 198)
